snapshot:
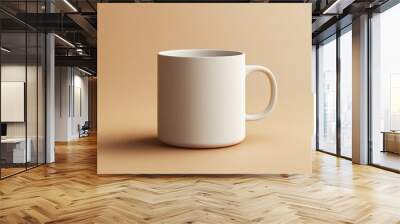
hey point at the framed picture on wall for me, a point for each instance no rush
(12, 101)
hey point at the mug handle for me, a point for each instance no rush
(274, 91)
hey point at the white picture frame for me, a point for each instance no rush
(12, 101)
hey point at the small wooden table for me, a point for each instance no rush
(391, 141)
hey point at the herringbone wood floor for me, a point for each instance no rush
(69, 191)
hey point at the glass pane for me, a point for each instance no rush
(31, 86)
(41, 98)
(386, 89)
(22, 89)
(314, 91)
(31, 100)
(346, 93)
(327, 96)
(13, 89)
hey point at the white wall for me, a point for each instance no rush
(70, 83)
(14, 72)
(17, 72)
(62, 83)
(81, 103)
(34, 126)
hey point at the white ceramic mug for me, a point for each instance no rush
(201, 97)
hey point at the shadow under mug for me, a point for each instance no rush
(201, 97)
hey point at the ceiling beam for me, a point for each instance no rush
(84, 24)
(337, 7)
(79, 61)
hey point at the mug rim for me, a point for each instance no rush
(200, 53)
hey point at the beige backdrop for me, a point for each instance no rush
(275, 35)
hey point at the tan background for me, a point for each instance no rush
(274, 35)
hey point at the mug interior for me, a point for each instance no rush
(199, 53)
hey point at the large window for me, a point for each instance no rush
(334, 77)
(327, 96)
(385, 89)
(346, 92)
